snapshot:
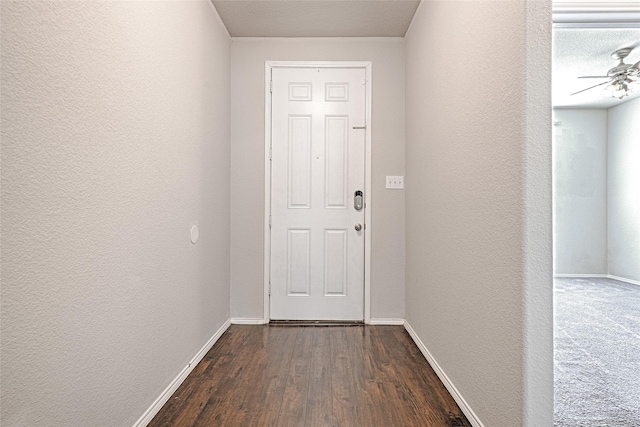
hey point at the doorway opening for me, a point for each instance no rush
(596, 217)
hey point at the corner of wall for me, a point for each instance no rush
(538, 238)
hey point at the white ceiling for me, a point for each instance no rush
(316, 18)
(587, 52)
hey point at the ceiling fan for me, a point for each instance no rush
(622, 79)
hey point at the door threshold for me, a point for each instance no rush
(316, 323)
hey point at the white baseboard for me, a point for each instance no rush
(464, 406)
(248, 321)
(373, 321)
(581, 276)
(623, 279)
(599, 276)
(385, 321)
(171, 388)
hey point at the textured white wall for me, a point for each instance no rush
(624, 190)
(115, 141)
(580, 191)
(478, 202)
(248, 56)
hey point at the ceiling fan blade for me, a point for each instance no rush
(600, 84)
(594, 77)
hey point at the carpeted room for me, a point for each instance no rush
(596, 230)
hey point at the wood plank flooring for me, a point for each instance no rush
(346, 376)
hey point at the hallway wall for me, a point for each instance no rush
(115, 141)
(248, 56)
(478, 203)
(623, 190)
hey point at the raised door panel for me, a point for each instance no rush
(336, 161)
(336, 92)
(335, 262)
(299, 165)
(298, 262)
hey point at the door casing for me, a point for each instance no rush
(269, 65)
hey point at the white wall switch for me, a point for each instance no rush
(395, 182)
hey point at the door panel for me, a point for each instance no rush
(318, 158)
(335, 262)
(298, 262)
(336, 136)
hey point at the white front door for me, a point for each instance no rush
(318, 165)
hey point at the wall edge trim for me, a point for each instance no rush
(451, 388)
(155, 407)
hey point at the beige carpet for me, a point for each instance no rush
(597, 353)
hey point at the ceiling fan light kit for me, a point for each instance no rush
(623, 78)
(620, 89)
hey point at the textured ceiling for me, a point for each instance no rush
(587, 52)
(316, 18)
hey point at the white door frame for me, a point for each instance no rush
(269, 66)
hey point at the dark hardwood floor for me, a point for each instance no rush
(312, 376)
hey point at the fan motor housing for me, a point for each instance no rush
(618, 69)
(621, 53)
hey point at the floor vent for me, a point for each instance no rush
(316, 323)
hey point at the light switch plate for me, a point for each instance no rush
(395, 182)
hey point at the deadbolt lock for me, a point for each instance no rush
(358, 200)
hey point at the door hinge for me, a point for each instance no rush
(269, 221)
(271, 86)
(269, 288)
(270, 153)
